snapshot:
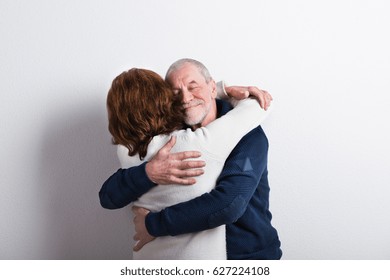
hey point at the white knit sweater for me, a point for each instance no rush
(215, 142)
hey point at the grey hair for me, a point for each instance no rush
(179, 63)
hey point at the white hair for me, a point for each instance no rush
(179, 63)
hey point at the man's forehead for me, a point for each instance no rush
(188, 78)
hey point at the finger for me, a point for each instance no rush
(190, 164)
(183, 181)
(268, 103)
(135, 209)
(261, 99)
(169, 145)
(269, 96)
(138, 246)
(264, 99)
(258, 95)
(135, 247)
(188, 173)
(139, 211)
(185, 155)
(268, 99)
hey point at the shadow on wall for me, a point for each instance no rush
(77, 156)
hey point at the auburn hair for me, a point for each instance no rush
(141, 105)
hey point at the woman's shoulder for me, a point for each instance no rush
(125, 160)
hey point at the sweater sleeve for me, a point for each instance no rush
(221, 92)
(235, 124)
(124, 187)
(227, 201)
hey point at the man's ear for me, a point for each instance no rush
(213, 88)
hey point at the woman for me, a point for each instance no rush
(143, 114)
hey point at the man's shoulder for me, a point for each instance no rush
(253, 143)
(223, 107)
(256, 135)
(254, 139)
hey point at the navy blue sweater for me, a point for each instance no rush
(240, 200)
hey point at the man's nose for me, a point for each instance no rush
(187, 96)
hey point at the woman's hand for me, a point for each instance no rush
(241, 92)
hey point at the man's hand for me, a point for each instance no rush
(166, 168)
(141, 235)
(239, 92)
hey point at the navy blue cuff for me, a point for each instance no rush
(140, 178)
(154, 225)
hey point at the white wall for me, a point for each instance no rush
(326, 63)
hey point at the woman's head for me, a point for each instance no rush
(140, 105)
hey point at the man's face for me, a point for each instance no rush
(198, 95)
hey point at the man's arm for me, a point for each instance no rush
(127, 185)
(223, 205)
(124, 187)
